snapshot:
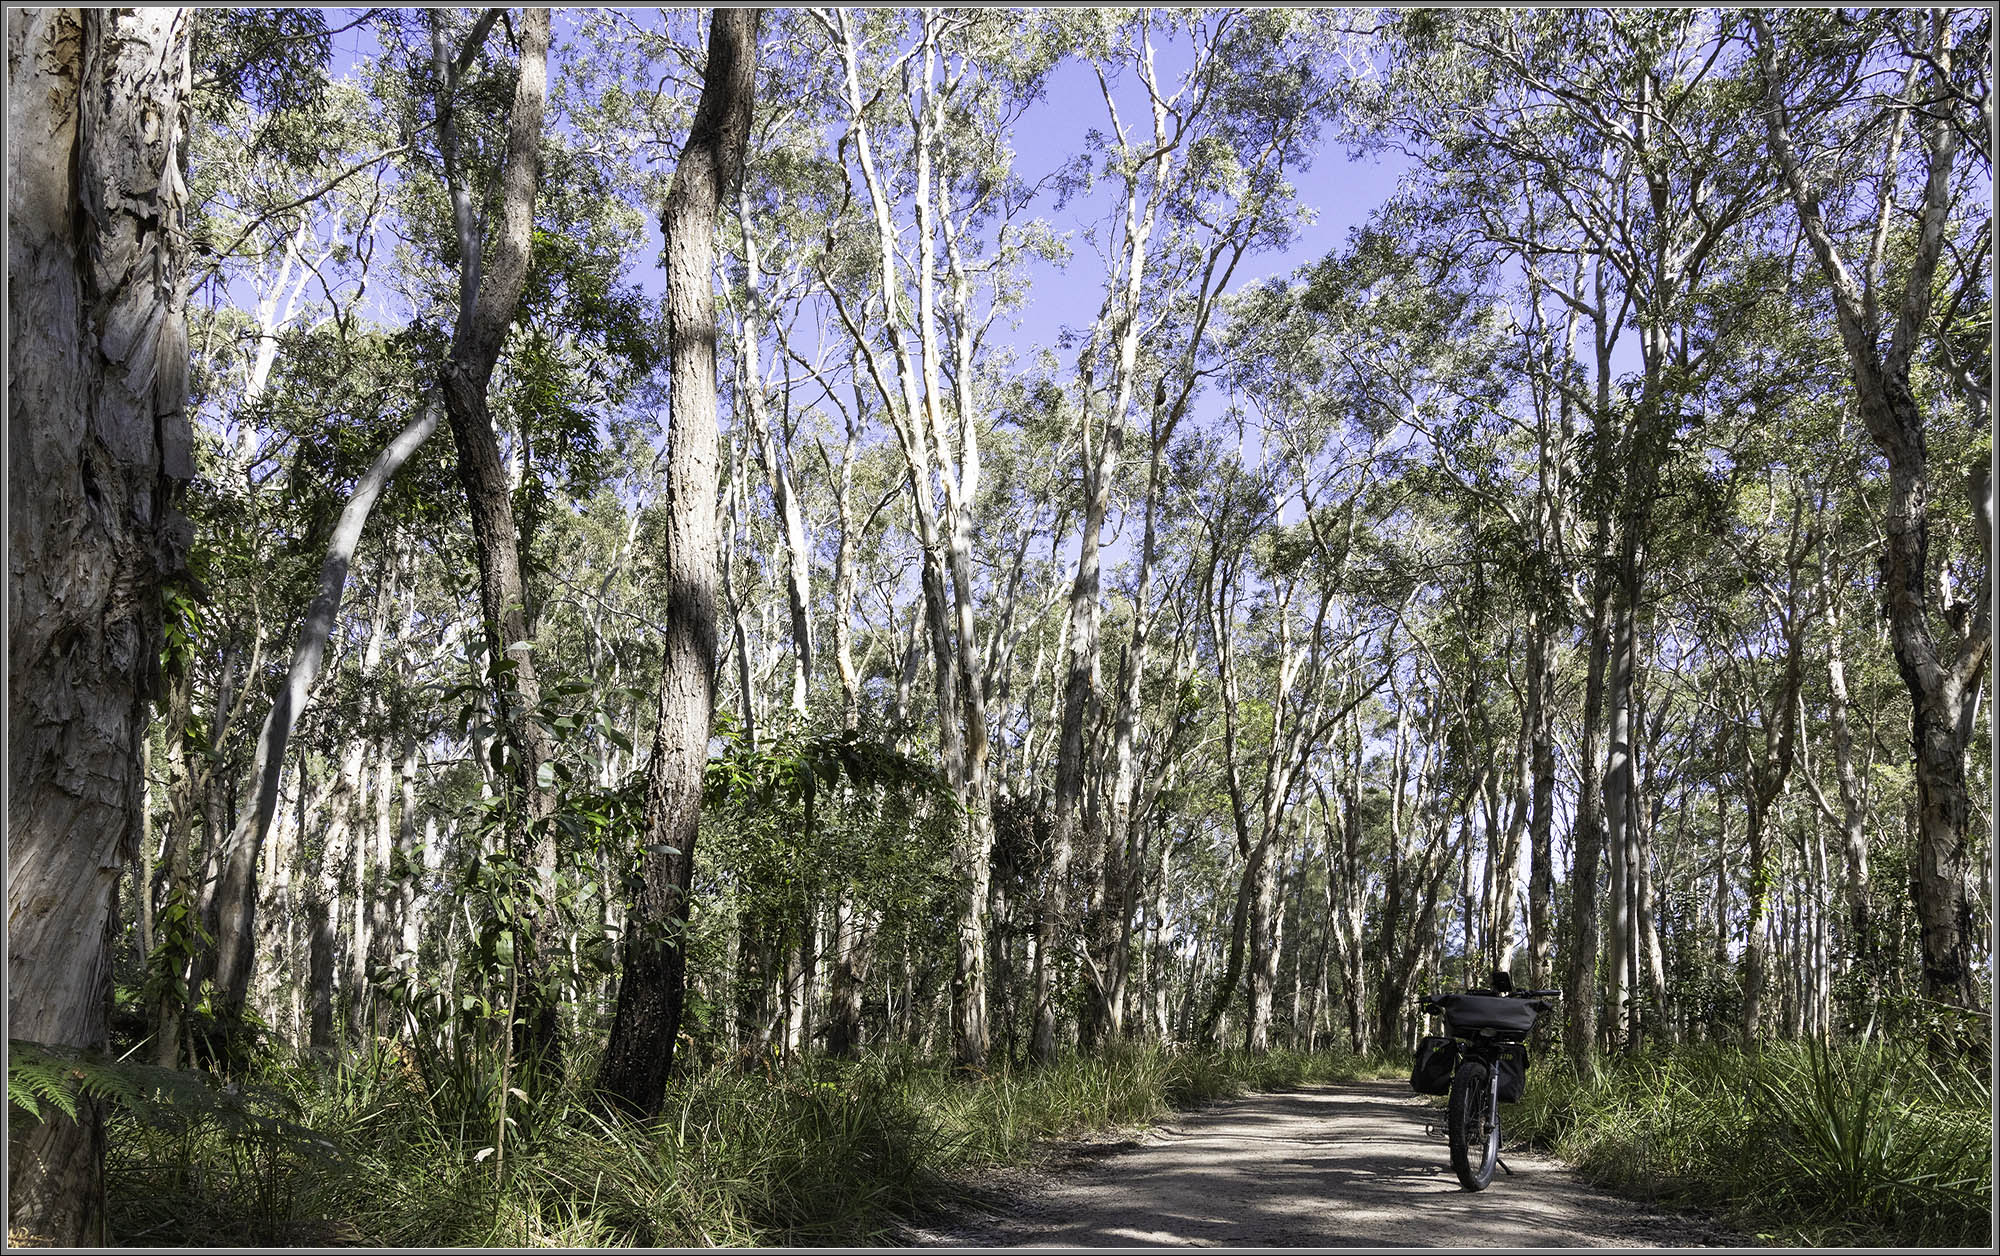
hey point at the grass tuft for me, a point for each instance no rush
(1801, 1144)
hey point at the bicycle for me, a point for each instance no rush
(1486, 1058)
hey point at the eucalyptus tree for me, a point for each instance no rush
(343, 185)
(1838, 608)
(1205, 165)
(936, 92)
(1840, 133)
(99, 450)
(1634, 123)
(280, 200)
(498, 213)
(1278, 636)
(1376, 376)
(652, 980)
(1769, 742)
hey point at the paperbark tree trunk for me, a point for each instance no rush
(652, 984)
(99, 449)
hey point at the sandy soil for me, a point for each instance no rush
(1359, 1164)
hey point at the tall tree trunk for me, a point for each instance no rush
(1652, 957)
(236, 894)
(489, 294)
(1617, 811)
(1943, 683)
(168, 1023)
(1854, 806)
(652, 985)
(777, 468)
(1587, 838)
(1767, 773)
(99, 448)
(849, 978)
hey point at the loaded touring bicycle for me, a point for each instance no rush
(1481, 1063)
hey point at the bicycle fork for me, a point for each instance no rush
(1493, 1110)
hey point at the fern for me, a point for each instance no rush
(41, 1076)
(33, 1080)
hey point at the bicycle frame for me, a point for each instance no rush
(1481, 1047)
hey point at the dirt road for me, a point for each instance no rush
(1358, 1164)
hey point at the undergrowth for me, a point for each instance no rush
(1798, 1144)
(824, 1153)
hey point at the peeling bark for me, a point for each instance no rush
(99, 449)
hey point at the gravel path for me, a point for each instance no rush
(1357, 1164)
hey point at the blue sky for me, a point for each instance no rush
(1339, 192)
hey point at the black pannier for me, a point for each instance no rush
(1465, 1012)
(1437, 1060)
(1513, 1071)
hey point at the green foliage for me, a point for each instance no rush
(801, 818)
(1845, 1145)
(821, 1154)
(274, 58)
(169, 1104)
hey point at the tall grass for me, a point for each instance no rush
(826, 1153)
(1797, 1143)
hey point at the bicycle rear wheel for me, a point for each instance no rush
(1469, 1123)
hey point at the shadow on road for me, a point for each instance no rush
(1362, 1164)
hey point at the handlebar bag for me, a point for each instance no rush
(1437, 1060)
(1465, 1012)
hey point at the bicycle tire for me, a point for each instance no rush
(1470, 1126)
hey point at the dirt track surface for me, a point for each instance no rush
(1357, 1164)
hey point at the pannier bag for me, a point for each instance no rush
(1437, 1060)
(1513, 1071)
(1465, 1012)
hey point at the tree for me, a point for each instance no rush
(652, 985)
(1882, 325)
(236, 897)
(924, 365)
(489, 292)
(99, 449)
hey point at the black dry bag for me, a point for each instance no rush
(1437, 1060)
(1513, 1071)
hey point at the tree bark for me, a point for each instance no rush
(777, 468)
(1587, 839)
(652, 985)
(99, 448)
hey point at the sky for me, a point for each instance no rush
(1339, 193)
(1336, 192)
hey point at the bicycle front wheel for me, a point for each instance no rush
(1474, 1134)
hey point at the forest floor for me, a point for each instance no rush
(1353, 1164)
